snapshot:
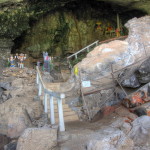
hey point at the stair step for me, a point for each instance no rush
(64, 106)
(55, 101)
(68, 118)
(64, 109)
(66, 113)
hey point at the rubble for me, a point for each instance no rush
(17, 108)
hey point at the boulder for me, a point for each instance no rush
(143, 72)
(37, 139)
(17, 114)
(112, 139)
(5, 85)
(131, 82)
(140, 132)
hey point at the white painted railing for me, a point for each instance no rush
(87, 48)
(52, 95)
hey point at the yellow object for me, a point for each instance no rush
(76, 70)
(98, 23)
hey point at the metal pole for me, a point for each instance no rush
(118, 22)
(45, 103)
(97, 43)
(88, 112)
(40, 89)
(88, 49)
(52, 115)
(37, 78)
(61, 116)
(76, 56)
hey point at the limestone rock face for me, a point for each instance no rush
(114, 56)
(117, 53)
(37, 139)
(98, 62)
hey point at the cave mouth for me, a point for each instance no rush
(86, 10)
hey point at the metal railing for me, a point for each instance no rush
(58, 96)
(87, 48)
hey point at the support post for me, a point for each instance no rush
(45, 103)
(97, 43)
(37, 78)
(76, 56)
(40, 89)
(52, 115)
(61, 116)
(88, 49)
(118, 21)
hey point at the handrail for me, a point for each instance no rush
(75, 54)
(117, 38)
(52, 94)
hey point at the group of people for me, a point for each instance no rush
(17, 60)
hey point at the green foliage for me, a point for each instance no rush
(80, 57)
(13, 22)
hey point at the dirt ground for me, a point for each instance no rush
(78, 133)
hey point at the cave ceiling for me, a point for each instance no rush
(127, 5)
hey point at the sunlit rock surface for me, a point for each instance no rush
(119, 54)
(105, 59)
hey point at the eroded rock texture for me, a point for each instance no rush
(97, 67)
(18, 111)
(37, 138)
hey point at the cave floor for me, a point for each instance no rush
(78, 134)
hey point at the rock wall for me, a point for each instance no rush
(5, 50)
(63, 32)
(99, 63)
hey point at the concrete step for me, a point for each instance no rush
(68, 118)
(64, 107)
(63, 102)
(64, 110)
(66, 113)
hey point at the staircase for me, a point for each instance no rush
(69, 114)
